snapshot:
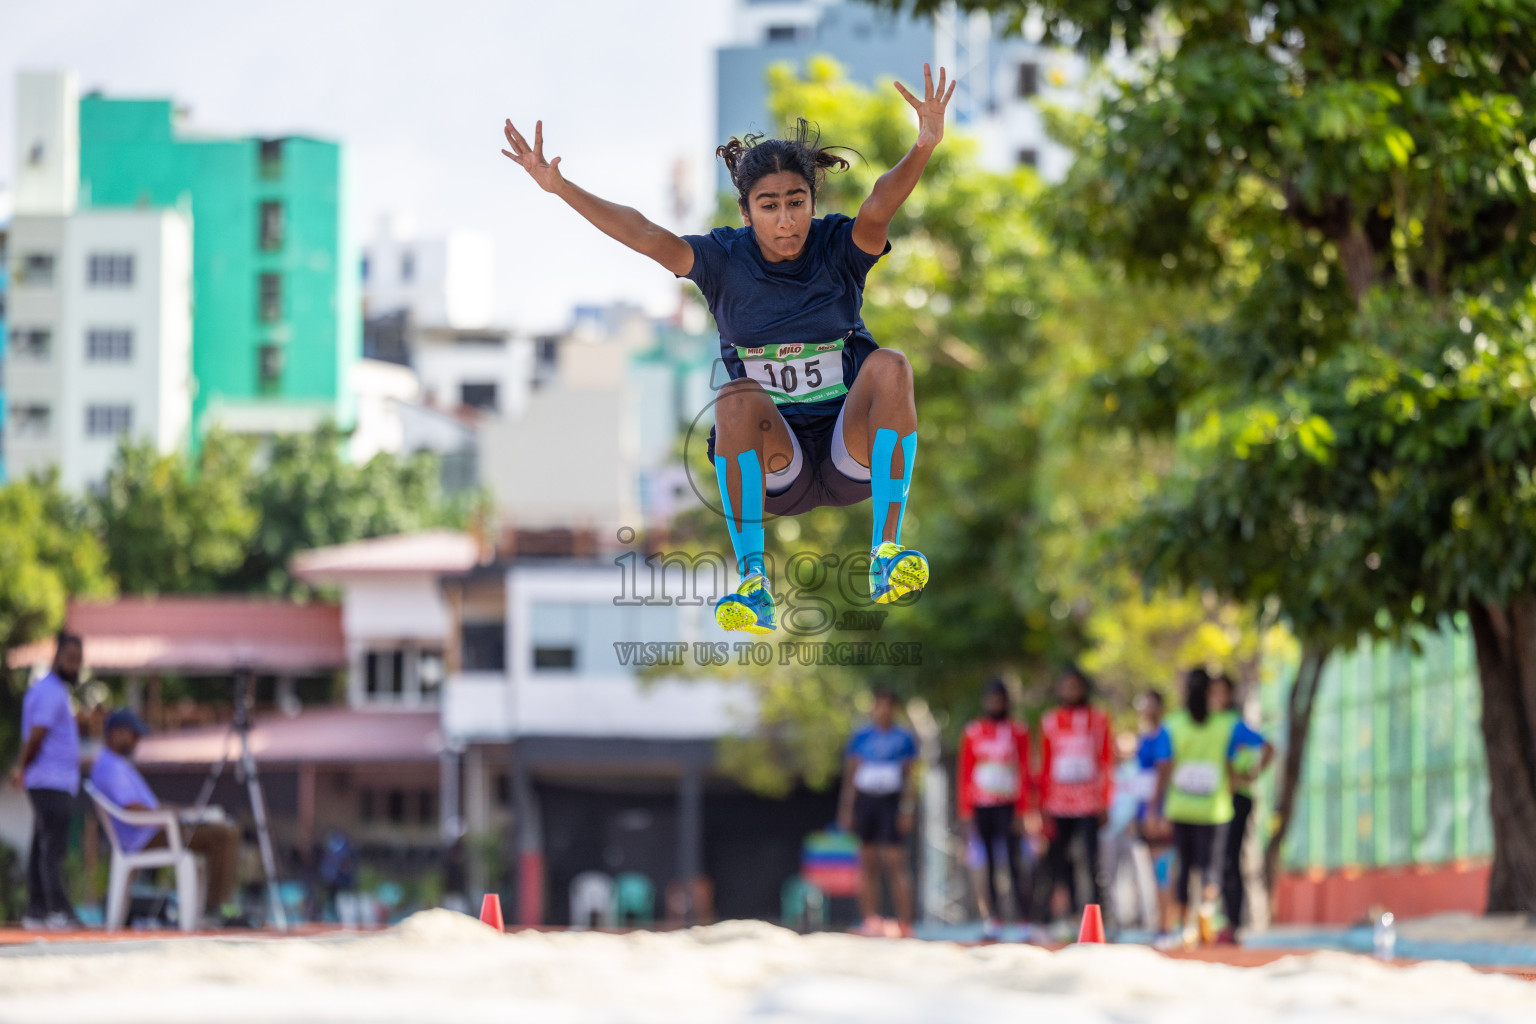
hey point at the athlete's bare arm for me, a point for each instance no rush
(874, 219)
(622, 223)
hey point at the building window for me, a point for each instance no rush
(31, 344)
(1029, 158)
(394, 806)
(478, 396)
(269, 366)
(483, 647)
(503, 789)
(30, 421)
(554, 658)
(36, 268)
(270, 225)
(407, 267)
(270, 302)
(108, 345)
(1029, 80)
(365, 268)
(109, 269)
(270, 158)
(108, 420)
(426, 807)
(365, 808)
(783, 33)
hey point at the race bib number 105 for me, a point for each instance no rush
(793, 373)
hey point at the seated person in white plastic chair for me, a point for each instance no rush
(115, 778)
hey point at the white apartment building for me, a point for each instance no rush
(100, 311)
(446, 280)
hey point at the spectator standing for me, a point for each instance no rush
(50, 771)
(1194, 794)
(1251, 753)
(993, 796)
(876, 805)
(1077, 764)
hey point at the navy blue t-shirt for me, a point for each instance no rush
(814, 298)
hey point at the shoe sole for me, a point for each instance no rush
(738, 617)
(908, 575)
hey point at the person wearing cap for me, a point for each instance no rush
(116, 778)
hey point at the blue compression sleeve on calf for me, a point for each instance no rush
(884, 490)
(747, 541)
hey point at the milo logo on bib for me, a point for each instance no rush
(795, 372)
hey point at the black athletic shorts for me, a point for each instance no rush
(875, 818)
(819, 481)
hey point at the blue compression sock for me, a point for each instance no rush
(883, 489)
(747, 541)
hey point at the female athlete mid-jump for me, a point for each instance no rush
(815, 412)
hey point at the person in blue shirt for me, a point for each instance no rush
(1250, 754)
(50, 771)
(876, 804)
(815, 412)
(115, 777)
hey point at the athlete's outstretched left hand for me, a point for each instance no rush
(930, 109)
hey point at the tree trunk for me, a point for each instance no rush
(1298, 723)
(1506, 663)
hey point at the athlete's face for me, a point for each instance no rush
(779, 211)
(1221, 695)
(883, 713)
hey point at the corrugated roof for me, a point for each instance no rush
(430, 551)
(315, 736)
(211, 634)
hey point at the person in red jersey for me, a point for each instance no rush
(994, 792)
(1076, 778)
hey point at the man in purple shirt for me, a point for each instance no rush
(50, 771)
(116, 778)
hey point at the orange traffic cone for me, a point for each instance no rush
(490, 912)
(1093, 925)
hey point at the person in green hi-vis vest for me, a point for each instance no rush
(1250, 755)
(1194, 793)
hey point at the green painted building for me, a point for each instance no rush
(277, 318)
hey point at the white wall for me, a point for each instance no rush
(47, 142)
(155, 383)
(381, 389)
(604, 700)
(452, 282)
(445, 366)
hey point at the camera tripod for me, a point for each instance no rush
(245, 770)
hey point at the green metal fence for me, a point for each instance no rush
(1395, 771)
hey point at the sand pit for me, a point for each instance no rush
(440, 966)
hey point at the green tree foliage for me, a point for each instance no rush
(308, 495)
(171, 527)
(1355, 184)
(48, 554)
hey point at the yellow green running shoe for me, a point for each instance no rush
(894, 571)
(750, 609)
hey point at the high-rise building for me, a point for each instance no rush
(99, 322)
(277, 323)
(1000, 79)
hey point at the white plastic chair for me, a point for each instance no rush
(189, 872)
(592, 897)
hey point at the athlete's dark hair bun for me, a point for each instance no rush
(753, 157)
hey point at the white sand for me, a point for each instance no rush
(440, 966)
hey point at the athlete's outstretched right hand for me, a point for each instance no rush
(531, 158)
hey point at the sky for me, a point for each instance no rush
(418, 93)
